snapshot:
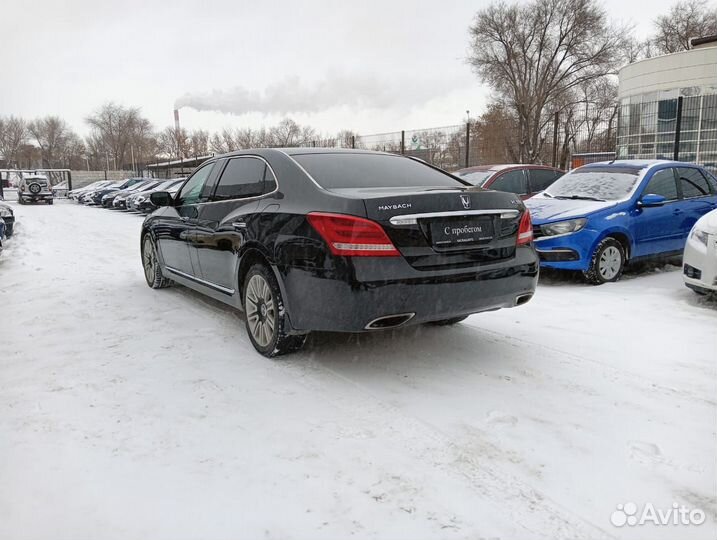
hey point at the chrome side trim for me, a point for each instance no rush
(200, 281)
(250, 156)
(412, 219)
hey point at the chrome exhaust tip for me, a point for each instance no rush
(389, 321)
(523, 299)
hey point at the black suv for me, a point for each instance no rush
(339, 240)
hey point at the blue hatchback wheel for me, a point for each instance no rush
(610, 263)
(607, 263)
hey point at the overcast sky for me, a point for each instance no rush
(371, 66)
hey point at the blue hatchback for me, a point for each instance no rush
(601, 216)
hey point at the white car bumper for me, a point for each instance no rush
(700, 264)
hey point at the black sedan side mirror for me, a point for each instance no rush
(161, 198)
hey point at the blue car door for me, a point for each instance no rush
(697, 198)
(657, 229)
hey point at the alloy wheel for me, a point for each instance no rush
(149, 259)
(260, 310)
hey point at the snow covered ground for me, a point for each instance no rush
(132, 413)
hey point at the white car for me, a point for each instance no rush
(34, 188)
(700, 259)
(79, 192)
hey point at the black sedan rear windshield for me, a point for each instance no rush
(335, 171)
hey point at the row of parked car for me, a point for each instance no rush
(132, 194)
(588, 221)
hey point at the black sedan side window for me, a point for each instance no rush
(192, 190)
(242, 177)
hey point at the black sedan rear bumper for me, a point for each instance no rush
(320, 300)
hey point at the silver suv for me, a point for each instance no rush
(33, 188)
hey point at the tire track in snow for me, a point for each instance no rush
(636, 379)
(528, 507)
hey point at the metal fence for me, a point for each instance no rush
(683, 129)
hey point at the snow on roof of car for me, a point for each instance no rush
(637, 163)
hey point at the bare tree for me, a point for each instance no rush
(346, 137)
(144, 144)
(221, 143)
(72, 153)
(532, 54)
(51, 135)
(289, 133)
(174, 143)
(493, 136)
(686, 19)
(116, 130)
(587, 119)
(13, 135)
(635, 49)
(198, 142)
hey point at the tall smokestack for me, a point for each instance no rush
(176, 119)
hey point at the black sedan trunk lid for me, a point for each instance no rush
(444, 227)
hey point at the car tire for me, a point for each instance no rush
(448, 322)
(9, 229)
(607, 263)
(266, 321)
(150, 264)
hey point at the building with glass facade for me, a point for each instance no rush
(651, 109)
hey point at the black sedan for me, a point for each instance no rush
(339, 240)
(8, 217)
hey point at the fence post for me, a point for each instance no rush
(69, 180)
(468, 143)
(556, 118)
(353, 141)
(678, 127)
(403, 142)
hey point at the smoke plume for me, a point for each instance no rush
(291, 96)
